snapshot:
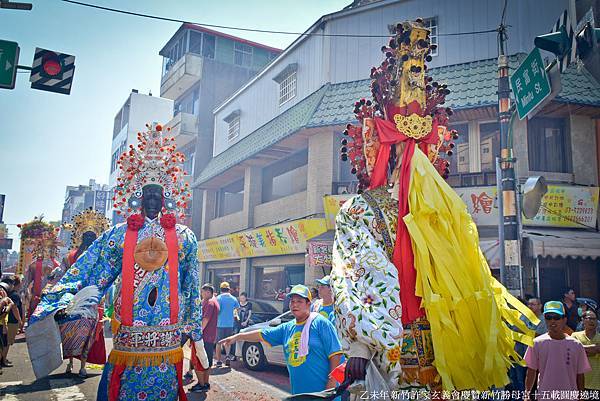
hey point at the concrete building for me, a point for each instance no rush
(137, 111)
(81, 197)
(201, 68)
(276, 144)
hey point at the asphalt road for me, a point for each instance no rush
(227, 384)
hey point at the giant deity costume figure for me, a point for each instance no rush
(39, 249)
(158, 298)
(82, 337)
(413, 291)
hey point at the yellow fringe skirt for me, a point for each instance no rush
(469, 311)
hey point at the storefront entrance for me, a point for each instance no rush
(216, 276)
(270, 281)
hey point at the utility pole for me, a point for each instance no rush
(508, 226)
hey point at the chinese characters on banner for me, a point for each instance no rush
(562, 206)
(481, 204)
(280, 239)
(319, 253)
(567, 206)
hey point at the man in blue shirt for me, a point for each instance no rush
(225, 322)
(325, 305)
(311, 361)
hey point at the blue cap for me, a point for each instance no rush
(323, 281)
(554, 307)
(301, 290)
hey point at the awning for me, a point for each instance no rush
(562, 243)
(491, 250)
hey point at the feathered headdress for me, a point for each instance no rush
(154, 161)
(88, 220)
(408, 99)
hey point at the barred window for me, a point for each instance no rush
(234, 129)
(287, 88)
(432, 25)
(242, 54)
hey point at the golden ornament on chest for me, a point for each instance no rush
(151, 254)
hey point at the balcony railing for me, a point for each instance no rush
(184, 128)
(186, 72)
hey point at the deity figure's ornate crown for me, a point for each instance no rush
(154, 161)
(41, 236)
(404, 94)
(88, 220)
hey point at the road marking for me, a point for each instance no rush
(66, 390)
(4, 396)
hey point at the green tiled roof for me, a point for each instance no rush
(337, 106)
(282, 126)
(472, 85)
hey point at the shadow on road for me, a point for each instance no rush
(42, 385)
(196, 396)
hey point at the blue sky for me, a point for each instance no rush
(48, 140)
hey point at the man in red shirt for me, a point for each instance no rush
(210, 312)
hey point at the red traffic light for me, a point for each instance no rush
(51, 64)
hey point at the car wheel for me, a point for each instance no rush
(254, 356)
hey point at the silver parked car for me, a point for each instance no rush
(256, 356)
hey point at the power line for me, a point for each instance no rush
(157, 17)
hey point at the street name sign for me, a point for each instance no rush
(9, 58)
(530, 84)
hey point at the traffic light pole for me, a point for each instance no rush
(510, 269)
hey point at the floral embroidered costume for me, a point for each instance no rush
(80, 334)
(412, 288)
(158, 297)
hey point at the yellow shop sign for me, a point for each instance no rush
(280, 239)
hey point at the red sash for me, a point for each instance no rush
(127, 290)
(403, 257)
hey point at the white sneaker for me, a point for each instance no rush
(69, 368)
(82, 373)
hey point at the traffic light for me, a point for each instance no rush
(52, 71)
(587, 40)
(558, 42)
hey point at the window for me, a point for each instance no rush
(242, 54)
(234, 129)
(285, 177)
(117, 124)
(188, 104)
(432, 25)
(489, 145)
(287, 88)
(188, 165)
(195, 42)
(549, 145)
(459, 161)
(230, 199)
(172, 55)
(270, 282)
(116, 155)
(208, 46)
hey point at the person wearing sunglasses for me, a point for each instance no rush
(558, 360)
(590, 339)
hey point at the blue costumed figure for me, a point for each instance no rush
(158, 298)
